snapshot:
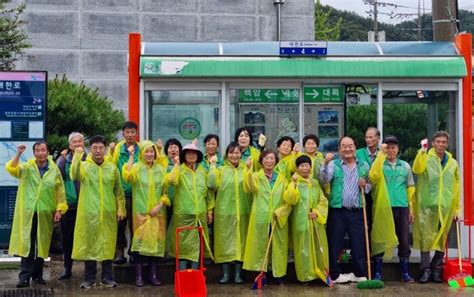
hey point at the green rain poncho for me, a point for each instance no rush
(190, 206)
(101, 200)
(44, 196)
(231, 212)
(382, 237)
(149, 232)
(309, 236)
(436, 200)
(267, 202)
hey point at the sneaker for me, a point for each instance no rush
(342, 279)
(108, 283)
(87, 285)
(351, 276)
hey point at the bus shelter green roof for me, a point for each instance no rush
(281, 67)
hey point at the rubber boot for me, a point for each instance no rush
(237, 273)
(183, 265)
(225, 273)
(378, 268)
(139, 275)
(194, 265)
(437, 267)
(152, 277)
(404, 267)
(425, 276)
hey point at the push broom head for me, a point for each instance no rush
(370, 284)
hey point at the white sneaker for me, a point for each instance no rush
(342, 279)
(351, 276)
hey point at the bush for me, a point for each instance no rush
(77, 108)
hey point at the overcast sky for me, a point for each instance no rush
(411, 7)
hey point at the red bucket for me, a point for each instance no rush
(190, 282)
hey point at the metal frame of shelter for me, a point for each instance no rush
(411, 66)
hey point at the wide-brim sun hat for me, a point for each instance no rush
(187, 148)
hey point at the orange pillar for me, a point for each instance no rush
(464, 44)
(134, 49)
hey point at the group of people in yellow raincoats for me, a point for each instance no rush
(266, 207)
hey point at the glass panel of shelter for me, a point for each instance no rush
(183, 114)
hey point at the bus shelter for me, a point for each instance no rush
(186, 90)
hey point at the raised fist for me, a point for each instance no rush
(262, 139)
(131, 150)
(297, 148)
(383, 148)
(112, 146)
(329, 157)
(213, 160)
(424, 144)
(248, 162)
(21, 148)
(159, 144)
(79, 150)
(294, 177)
(176, 160)
(64, 153)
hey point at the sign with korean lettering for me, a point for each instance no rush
(323, 94)
(303, 48)
(22, 105)
(269, 95)
(22, 121)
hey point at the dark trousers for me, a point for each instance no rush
(32, 266)
(341, 221)
(90, 270)
(400, 218)
(140, 259)
(122, 227)
(68, 222)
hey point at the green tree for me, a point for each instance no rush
(325, 29)
(76, 107)
(13, 40)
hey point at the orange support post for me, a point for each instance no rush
(464, 44)
(134, 49)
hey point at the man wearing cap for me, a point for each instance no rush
(347, 176)
(436, 203)
(192, 206)
(394, 188)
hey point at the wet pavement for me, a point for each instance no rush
(9, 277)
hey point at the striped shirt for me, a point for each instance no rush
(351, 192)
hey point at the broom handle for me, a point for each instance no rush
(267, 252)
(366, 231)
(459, 245)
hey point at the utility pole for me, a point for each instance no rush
(445, 19)
(375, 18)
(420, 24)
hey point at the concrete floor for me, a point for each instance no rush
(9, 277)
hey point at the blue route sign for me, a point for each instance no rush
(303, 48)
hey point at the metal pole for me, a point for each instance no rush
(278, 4)
(419, 20)
(375, 19)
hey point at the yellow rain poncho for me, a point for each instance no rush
(149, 232)
(231, 212)
(44, 196)
(254, 154)
(383, 237)
(436, 200)
(101, 200)
(286, 165)
(267, 202)
(309, 236)
(190, 206)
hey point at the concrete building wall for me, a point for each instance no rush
(88, 39)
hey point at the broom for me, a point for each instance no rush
(370, 283)
(328, 279)
(461, 279)
(260, 279)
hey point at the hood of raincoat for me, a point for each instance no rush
(145, 144)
